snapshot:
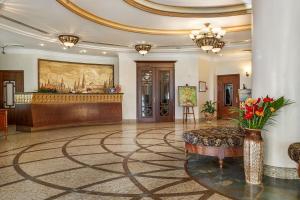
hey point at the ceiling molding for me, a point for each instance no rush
(23, 24)
(115, 25)
(189, 12)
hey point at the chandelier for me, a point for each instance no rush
(143, 49)
(209, 38)
(68, 40)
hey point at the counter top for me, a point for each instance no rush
(57, 98)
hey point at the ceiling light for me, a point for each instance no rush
(68, 40)
(143, 49)
(65, 48)
(104, 52)
(42, 44)
(208, 38)
(82, 51)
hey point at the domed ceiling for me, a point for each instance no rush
(117, 25)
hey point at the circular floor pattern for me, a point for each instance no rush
(231, 181)
(117, 164)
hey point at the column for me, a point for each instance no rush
(276, 72)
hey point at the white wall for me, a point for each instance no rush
(187, 71)
(229, 65)
(27, 60)
(190, 68)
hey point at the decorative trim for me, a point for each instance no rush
(281, 172)
(43, 98)
(189, 12)
(23, 24)
(115, 25)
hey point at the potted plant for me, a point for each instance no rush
(209, 109)
(254, 115)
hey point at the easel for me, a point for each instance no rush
(186, 112)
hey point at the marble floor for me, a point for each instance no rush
(127, 161)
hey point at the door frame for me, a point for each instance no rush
(224, 75)
(140, 64)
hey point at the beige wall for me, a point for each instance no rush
(190, 68)
(27, 60)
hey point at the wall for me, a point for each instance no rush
(188, 69)
(228, 65)
(27, 60)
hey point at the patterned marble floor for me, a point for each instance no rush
(128, 161)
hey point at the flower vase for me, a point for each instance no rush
(253, 156)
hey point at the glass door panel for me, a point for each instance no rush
(164, 103)
(147, 94)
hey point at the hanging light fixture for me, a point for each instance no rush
(209, 38)
(68, 40)
(143, 49)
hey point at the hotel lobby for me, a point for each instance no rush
(149, 100)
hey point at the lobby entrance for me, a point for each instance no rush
(155, 91)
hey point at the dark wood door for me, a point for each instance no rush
(155, 91)
(228, 86)
(10, 82)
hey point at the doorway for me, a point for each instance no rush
(155, 91)
(11, 81)
(228, 97)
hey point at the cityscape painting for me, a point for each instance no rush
(68, 77)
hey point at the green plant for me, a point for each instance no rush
(256, 113)
(209, 107)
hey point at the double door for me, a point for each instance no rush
(155, 91)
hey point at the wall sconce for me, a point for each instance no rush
(247, 74)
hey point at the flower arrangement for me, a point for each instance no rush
(256, 113)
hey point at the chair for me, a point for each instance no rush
(3, 122)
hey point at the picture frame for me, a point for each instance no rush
(202, 86)
(187, 96)
(74, 77)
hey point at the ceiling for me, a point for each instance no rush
(117, 25)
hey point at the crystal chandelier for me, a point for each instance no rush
(209, 38)
(143, 49)
(68, 40)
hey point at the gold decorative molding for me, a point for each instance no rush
(115, 25)
(46, 98)
(189, 12)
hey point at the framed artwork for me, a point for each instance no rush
(202, 86)
(187, 95)
(66, 77)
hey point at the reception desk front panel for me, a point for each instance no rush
(37, 111)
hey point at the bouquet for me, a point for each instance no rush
(256, 113)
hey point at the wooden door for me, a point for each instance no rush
(10, 82)
(228, 86)
(155, 91)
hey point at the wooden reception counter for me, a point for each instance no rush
(40, 111)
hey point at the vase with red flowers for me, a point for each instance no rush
(255, 114)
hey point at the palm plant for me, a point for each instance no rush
(209, 107)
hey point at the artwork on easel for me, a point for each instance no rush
(187, 95)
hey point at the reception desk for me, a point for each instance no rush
(41, 111)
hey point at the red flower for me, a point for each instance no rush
(268, 99)
(258, 101)
(249, 108)
(248, 115)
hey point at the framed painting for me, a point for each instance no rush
(202, 86)
(187, 95)
(70, 77)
